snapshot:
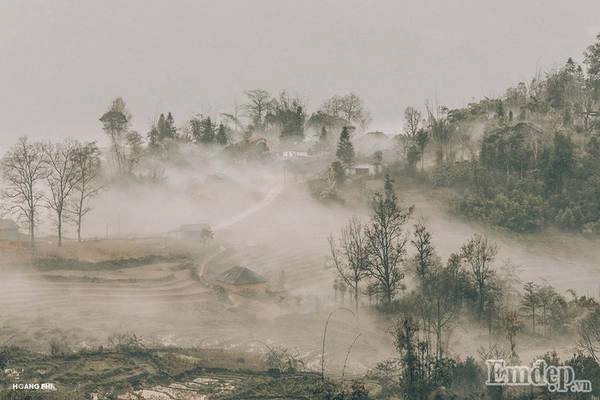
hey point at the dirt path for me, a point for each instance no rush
(275, 190)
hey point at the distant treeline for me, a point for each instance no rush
(526, 160)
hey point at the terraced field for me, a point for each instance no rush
(167, 303)
(283, 236)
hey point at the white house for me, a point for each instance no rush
(292, 154)
(365, 169)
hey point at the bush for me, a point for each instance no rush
(282, 360)
(127, 343)
(58, 347)
(519, 212)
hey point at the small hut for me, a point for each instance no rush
(195, 232)
(241, 279)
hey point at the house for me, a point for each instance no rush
(241, 279)
(365, 169)
(291, 150)
(199, 232)
(292, 154)
(9, 231)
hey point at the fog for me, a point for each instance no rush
(267, 223)
(63, 61)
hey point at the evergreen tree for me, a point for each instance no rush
(153, 137)
(323, 139)
(561, 163)
(161, 127)
(207, 131)
(345, 149)
(422, 138)
(170, 129)
(221, 137)
(336, 173)
(592, 148)
(592, 60)
(530, 302)
(412, 157)
(196, 130)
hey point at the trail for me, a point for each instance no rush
(271, 195)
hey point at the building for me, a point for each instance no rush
(365, 169)
(293, 154)
(9, 231)
(199, 232)
(242, 280)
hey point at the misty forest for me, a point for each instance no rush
(276, 250)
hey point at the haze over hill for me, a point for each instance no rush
(63, 61)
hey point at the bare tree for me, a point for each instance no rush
(386, 241)
(62, 177)
(350, 257)
(441, 132)
(412, 118)
(87, 165)
(480, 254)
(444, 296)
(350, 107)
(259, 104)
(512, 326)
(425, 258)
(23, 170)
(589, 334)
(546, 296)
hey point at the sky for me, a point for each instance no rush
(63, 61)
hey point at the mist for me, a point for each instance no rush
(278, 199)
(64, 61)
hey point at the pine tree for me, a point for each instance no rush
(345, 150)
(153, 137)
(324, 139)
(170, 130)
(222, 138)
(337, 174)
(530, 302)
(207, 131)
(161, 127)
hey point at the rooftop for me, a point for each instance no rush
(240, 276)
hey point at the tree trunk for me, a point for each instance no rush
(481, 301)
(438, 332)
(79, 217)
(31, 232)
(59, 229)
(388, 298)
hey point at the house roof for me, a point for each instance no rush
(8, 225)
(240, 276)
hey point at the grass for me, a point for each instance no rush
(222, 374)
(54, 263)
